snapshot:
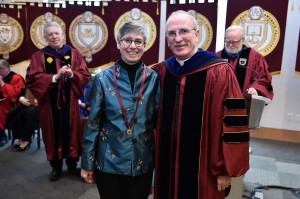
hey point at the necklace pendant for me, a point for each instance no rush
(129, 132)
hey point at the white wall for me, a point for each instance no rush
(286, 85)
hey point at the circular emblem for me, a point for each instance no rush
(36, 29)
(262, 30)
(88, 33)
(11, 35)
(141, 18)
(205, 30)
(129, 132)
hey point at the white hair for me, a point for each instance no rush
(236, 27)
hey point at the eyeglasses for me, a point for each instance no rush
(128, 42)
(228, 42)
(182, 32)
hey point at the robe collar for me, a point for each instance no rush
(57, 53)
(195, 62)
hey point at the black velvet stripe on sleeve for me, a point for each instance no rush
(236, 120)
(235, 103)
(236, 137)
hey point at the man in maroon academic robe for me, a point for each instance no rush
(11, 85)
(57, 76)
(251, 68)
(202, 134)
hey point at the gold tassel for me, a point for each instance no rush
(102, 9)
(56, 11)
(157, 8)
(19, 15)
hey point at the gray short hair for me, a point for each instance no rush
(50, 24)
(131, 27)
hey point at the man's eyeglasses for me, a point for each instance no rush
(182, 32)
(128, 42)
(228, 42)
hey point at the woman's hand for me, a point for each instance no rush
(88, 176)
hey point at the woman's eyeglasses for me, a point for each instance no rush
(128, 42)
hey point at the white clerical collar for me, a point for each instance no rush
(181, 62)
(59, 48)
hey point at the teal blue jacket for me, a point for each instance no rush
(106, 143)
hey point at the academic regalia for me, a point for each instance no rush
(58, 102)
(257, 74)
(9, 94)
(202, 128)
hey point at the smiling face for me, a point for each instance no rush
(182, 36)
(54, 37)
(130, 48)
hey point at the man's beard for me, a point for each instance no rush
(233, 51)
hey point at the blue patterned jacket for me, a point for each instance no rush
(106, 143)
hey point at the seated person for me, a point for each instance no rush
(85, 102)
(24, 120)
(10, 89)
(85, 106)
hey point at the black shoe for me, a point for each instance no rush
(3, 141)
(15, 146)
(54, 175)
(75, 171)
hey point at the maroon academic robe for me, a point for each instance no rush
(257, 75)
(58, 102)
(9, 94)
(204, 137)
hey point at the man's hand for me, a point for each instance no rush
(68, 71)
(223, 182)
(65, 70)
(252, 91)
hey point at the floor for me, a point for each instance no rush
(24, 175)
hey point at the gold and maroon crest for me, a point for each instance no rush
(11, 35)
(262, 30)
(88, 33)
